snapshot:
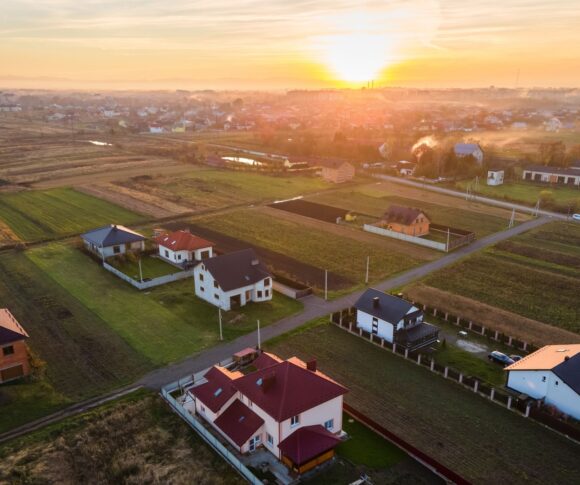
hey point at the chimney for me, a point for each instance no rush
(268, 381)
(311, 365)
(376, 301)
(567, 357)
(255, 262)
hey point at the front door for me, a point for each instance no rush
(255, 442)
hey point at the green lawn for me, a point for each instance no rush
(339, 254)
(35, 215)
(522, 274)
(481, 441)
(375, 203)
(164, 324)
(150, 267)
(526, 193)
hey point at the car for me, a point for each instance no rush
(462, 333)
(515, 357)
(576, 217)
(500, 358)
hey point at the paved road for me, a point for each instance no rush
(314, 307)
(475, 198)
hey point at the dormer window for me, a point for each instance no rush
(294, 421)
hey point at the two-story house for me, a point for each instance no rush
(13, 352)
(180, 247)
(406, 220)
(233, 279)
(287, 406)
(393, 319)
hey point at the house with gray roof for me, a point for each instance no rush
(466, 149)
(112, 240)
(393, 319)
(232, 280)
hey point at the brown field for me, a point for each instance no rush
(134, 441)
(503, 321)
(7, 235)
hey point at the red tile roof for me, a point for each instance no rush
(307, 443)
(286, 389)
(10, 329)
(182, 241)
(239, 422)
(218, 389)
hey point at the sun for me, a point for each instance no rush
(357, 57)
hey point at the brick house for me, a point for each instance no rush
(406, 220)
(13, 353)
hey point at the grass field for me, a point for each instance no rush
(150, 267)
(375, 203)
(342, 255)
(479, 440)
(164, 324)
(135, 440)
(522, 274)
(210, 189)
(526, 193)
(34, 215)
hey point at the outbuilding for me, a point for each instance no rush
(112, 240)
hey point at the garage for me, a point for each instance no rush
(10, 373)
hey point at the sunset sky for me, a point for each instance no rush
(284, 44)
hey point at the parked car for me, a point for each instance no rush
(515, 357)
(500, 358)
(462, 333)
(576, 217)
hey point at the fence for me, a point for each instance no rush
(143, 285)
(290, 292)
(439, 246)
(208, 437)
(478, 386)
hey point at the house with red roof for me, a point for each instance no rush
(288, 407)
(13, 352)
(182, 246)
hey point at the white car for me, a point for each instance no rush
(576, 217)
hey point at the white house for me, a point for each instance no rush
(288, 407)
(232, 280)
(394, 320)
(182, 247)
(465, 149)
(552, 374)
(495, 177)
(112, 240)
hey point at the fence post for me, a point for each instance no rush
(483, 331)
(496, 336)
(525, 347)
(340, 318)
(330, 318)
(446, 316)
(460, 380)
(360, 332)
(470, 324)
(406, 353)
(446, 372)
(528, 410)
(432, 364)
(350, 326)
(475, 386)
(434, 312)
(492, 393)
(510, 341)
(509, 404)
(371, 338)
(394, 348)
(382, 342)
(457, 320)
(419, 359)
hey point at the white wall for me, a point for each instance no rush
(181, 256)
(110, 251)
(563, 397)
(529, 382)
(365, 321)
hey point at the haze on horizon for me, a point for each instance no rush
(247, 44)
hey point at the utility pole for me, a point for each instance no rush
(448, 237)
(326, 284)
(537, 208)
(259, 338)
(367, 275)
(220, 320)
(512, 219)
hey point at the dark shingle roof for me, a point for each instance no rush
(402, 215)
(389, 308)
(112, 235)
(569, 372)
(237, 269)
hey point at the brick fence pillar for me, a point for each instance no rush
(527, 411)
(457, 320)
(434, 312)
(492, 393)
(446, 316)
(509, 404)
(394, 348)
(482, 330)
(460, 380)
(406, 353)
(475, 386)
(446, 372)
(360, 331)
(432, 364)
(470, 324)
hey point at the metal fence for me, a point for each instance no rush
(143, 285)
(206, 435)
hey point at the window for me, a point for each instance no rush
(200, 277)
(329, 424)
(215, 284)
(294, 421)
(216, 296)
(179, 257)
(259, 293)
(375, 328)
(543, 378)
(267, 293)
(9, 350)
(267, 281)
(116, 249)
(557, 383)
(202, 289)
(270, 439)
(166, 253)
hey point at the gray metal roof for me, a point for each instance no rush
(389, 308)
(237, 269)
(466, 148)
(112, 235)
(554, 170)
(569, 372)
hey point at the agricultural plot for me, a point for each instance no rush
(339, 254)
(481, 441)
(162, 325)
(34, 215)
(522, 274)
(204, 189)
(135, 440)
(482, 224)
(321, 212)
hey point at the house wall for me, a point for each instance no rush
(19, 357)
(206, 290)
(109, 251)
(563, 397)
(533, 176)
(529, 382)
(338, 175)
(184, 255)
(365, 321)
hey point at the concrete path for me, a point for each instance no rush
(474, 198)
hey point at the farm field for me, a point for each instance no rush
(479, 440)
(527, 193)
(76, 354)
(521, 274)
(341, 255)
(34, 215)
(375, 202)
(203, 189)
(134, 440)
(164, 324)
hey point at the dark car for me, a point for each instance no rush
(515, 357)
(500, 358)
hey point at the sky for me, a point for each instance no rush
(275, 44)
